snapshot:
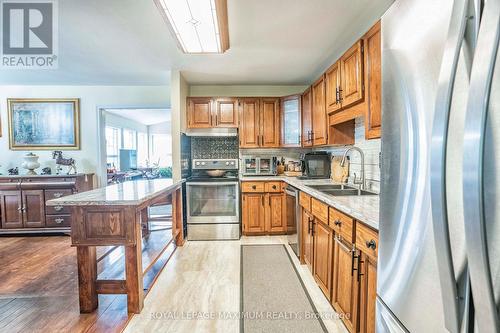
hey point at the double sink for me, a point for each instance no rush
(339, 190)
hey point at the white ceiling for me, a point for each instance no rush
(126, 42)
(143, 116)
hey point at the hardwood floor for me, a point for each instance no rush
(39, 287)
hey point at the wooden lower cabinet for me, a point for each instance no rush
(323, 257)
(253, 213)
(33, 208)
(307, 239)
(11, 209)
(263, 208)
(368, 293)
(345, 285)
(275, 213)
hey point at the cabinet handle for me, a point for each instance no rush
(371, 244)
(353, 258)
(340, 95)
(59, 221)
(58, 208)
(337, 222)
(336, 95)
(58, 195)
(262, 200)
(19, 208)
(359, 268)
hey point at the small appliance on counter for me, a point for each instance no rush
(259, 165)
(316, 165)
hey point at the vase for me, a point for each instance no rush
(31, 163)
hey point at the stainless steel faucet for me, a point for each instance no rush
(362, 181)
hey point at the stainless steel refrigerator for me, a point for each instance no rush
(439, 252)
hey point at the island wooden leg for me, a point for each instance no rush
(87, 276)
(145, 221)
(133, 271)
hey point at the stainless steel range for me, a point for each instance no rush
(212, 191)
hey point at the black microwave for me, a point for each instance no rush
(316, 165)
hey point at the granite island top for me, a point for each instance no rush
(362, 208)
(133, 192)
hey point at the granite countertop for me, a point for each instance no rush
(45, 176)
(129, 193)
(362, 208)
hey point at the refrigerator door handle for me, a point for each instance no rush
(487, 317)
(453, 309)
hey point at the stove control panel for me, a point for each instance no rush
(225, 164)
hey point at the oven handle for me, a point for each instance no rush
(210, 183)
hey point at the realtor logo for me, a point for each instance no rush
(29, 34)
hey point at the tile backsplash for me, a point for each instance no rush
(371, 149)
(214, 147)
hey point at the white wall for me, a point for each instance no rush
(244, 90)
(160, 128)
(91, 97)
(117, 121)
(179, 91)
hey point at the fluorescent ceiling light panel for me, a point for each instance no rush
(196, 24)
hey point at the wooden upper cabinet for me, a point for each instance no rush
(319, 118)
(270, 122)
(373, 82)
(249, 123)
(11, 209)
(226, 112)
(290, 121)
(33, 208)
(351, 78)
(199, 112)
(306, 118)
(333, 83)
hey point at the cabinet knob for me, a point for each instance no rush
(274, 187)
(337, 222)
(371, 244)
(59, 220)
(58, 195)
(58, 208)
(254, 187)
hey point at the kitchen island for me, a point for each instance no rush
(117, 215)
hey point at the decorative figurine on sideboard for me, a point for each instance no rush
(13, 171)
(46, 171)
(60, 160)
(30, 163)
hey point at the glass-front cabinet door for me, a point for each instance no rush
(290, 106)
(213, 202)
(266, 165)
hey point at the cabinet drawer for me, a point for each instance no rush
(54, 210)
(54, 194)
(366, 240)
(305, 201)
(273, 187)
(319, 210)
(58, 220)
(252, 187)
(342, 224)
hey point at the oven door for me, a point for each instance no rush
(212, 202)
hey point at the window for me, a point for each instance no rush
(113, 144)
(161, 152)
(142, 149)
(129, 139)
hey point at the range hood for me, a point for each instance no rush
(212, 132)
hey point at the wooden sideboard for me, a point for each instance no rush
(22, 202)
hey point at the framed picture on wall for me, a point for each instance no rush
(44, 124)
